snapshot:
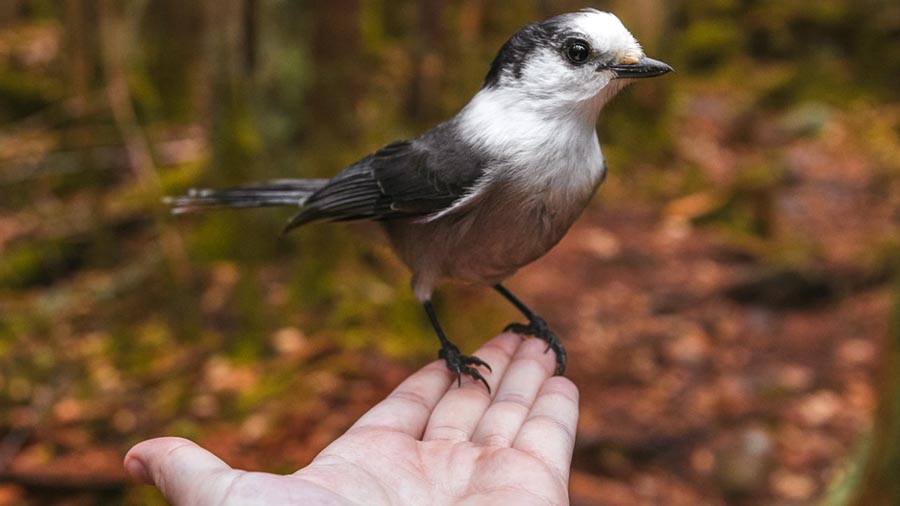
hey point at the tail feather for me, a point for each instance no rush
(283, 192)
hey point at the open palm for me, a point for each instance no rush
(427, 444)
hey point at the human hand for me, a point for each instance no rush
(428, 442)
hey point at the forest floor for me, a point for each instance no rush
(690, 397)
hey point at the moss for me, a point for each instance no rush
(708, 43)
(23, 93)
(42, 263)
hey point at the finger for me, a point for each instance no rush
(180, 469)
(529, 369)
(457, 413)
(409, 406)
(549, 429)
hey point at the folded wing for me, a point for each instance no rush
(403, 180)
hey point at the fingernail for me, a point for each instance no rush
(138, 471)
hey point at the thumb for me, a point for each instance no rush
(180, 469)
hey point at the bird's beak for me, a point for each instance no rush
(645, 67)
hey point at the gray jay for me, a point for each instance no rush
(495, 187)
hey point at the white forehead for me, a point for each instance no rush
(606, 33)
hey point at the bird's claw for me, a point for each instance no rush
(461, 364)
(538, 328)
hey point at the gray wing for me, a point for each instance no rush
(402, 180)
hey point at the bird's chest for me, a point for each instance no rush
(513, 225)
(539, 214)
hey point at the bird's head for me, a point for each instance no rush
(576, 59)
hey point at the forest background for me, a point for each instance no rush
(725, 300)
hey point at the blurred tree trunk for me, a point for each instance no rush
(117, 39)
(79, 45)
(250, 16)
(173, 32)
(422, 99)
(117, 36)
(872, 479)
(879, 485)
(10, 11)
(338, 60)
(647, 19)
(335, 42)
(235, 135)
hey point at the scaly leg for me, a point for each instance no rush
(456, 361)
(536, 327)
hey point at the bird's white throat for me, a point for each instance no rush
(546, 142)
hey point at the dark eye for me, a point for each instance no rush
(578, 51)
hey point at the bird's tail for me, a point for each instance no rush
(284, 192)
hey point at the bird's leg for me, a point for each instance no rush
(456, 361)
(536, 327)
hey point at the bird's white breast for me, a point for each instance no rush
(546, 154)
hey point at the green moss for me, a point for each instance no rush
(707, 43)
(24, 93)
(41, 263)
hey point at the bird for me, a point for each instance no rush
(493, 188)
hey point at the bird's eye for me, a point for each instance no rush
(578, 51)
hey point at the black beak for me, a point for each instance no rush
(646, 67)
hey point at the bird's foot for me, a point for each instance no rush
(462, 364)
(538, 328)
